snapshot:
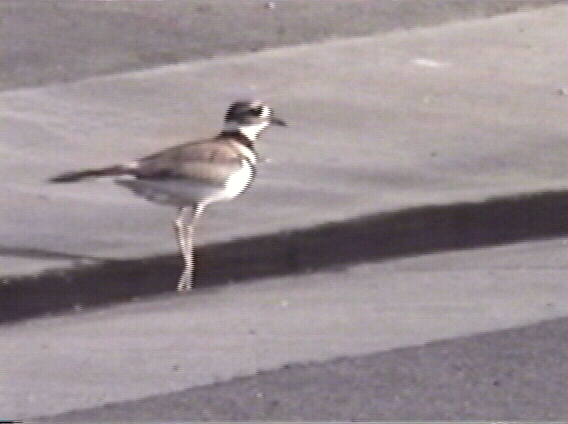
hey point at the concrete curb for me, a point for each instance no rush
(376, 237)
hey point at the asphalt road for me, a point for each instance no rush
(508, 375)
(52, 41)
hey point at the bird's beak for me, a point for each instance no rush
(277, 121)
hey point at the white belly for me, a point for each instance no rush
(238, 182)
(181, 192)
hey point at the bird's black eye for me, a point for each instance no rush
(257, 111)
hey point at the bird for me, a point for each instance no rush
(195, 174)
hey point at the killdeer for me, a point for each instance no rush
(195, 174)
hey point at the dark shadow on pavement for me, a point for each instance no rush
(375, 237)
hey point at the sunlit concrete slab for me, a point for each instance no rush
(429, 116)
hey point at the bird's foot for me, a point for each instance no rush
(185, 283)
(183, 287)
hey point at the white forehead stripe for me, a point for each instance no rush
(266, 111)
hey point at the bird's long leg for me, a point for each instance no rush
(179, 226)
(184, 232)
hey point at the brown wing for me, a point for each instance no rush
(211, 161)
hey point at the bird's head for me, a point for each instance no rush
(250, 118)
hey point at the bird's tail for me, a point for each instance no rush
(73, 176)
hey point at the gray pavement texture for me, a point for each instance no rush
(170, 343)
(487, 377)
(428, 204)
(47, 41)
(433, 116)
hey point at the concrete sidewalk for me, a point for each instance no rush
(423, 117)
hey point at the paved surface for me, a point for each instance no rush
(496, 376)
(173, 342)
(374, 237)
(59, 40)
(439, 118)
